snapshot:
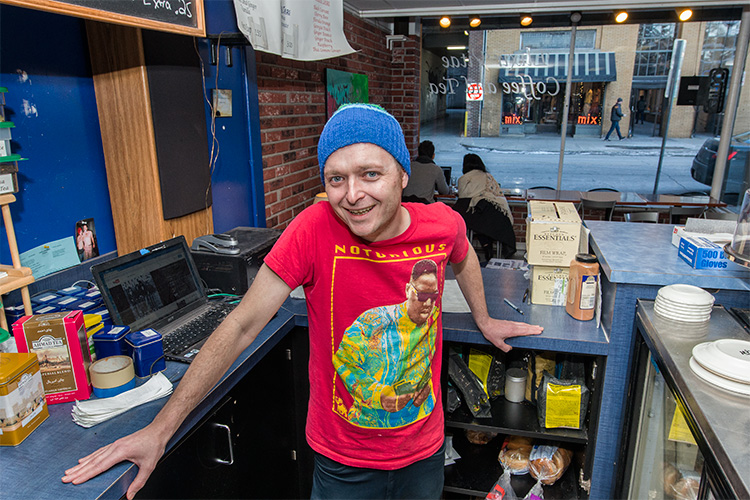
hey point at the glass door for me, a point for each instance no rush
(667, 462)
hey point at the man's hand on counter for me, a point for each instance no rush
(497, 331)
(143, 448)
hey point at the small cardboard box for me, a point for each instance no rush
(702, 253)
(553, 233)
(549, 285)
(60, 343)
(22, 404)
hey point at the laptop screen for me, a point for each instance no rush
(147, 288)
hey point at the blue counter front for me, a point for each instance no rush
(636, 260)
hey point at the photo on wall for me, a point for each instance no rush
(343, 88)
(85, 235)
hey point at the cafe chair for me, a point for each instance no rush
(498, 247)
(652, 217)
(676, 213)
(607, 206)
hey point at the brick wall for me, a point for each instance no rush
(291, 95)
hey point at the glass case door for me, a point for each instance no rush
(667, 462)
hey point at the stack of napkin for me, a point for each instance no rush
(95, 411)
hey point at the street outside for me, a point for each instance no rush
(589, 162)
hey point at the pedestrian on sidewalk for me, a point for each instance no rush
(616, 116)
(640, 109)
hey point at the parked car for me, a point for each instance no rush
(737, 166)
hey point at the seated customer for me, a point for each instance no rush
(484, 208)
(426, 177)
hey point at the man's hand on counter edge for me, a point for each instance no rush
(497, 331)
(143, 448)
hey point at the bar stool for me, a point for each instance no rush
(652, 217)
(676, 212)
(607, 206)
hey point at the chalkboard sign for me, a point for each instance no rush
(175, 16)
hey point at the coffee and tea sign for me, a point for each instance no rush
(532, 89)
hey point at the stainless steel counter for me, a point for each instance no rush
(719, 419)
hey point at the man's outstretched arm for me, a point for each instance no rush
(236, 332)
(469, 278)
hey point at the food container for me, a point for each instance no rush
(111, 342)
(147, 352)
(583, 286)
(515, 385)
(59, 342)
(22, 403)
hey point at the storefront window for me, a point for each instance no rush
(719, 45)
(654, 50)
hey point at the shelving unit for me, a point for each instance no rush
(474, 474)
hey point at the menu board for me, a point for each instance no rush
(175, 16)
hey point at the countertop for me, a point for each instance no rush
(640, 253)
(33, 469)
(721, 416)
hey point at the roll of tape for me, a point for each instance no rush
(112, 375)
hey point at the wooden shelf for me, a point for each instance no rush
(18, 276)
(10, 283)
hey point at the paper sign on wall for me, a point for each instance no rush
(304, 30)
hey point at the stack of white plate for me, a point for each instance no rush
(724, 363)
(686, 303)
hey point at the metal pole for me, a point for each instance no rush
(566, 105)
(730, 105)
(670, 94)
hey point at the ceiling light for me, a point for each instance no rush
(575, 17)
(474, 22)
(456, 47)
(621, 17)
(685, 14)
(445, 21)
(526, 19)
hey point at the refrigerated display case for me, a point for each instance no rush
(687, 438)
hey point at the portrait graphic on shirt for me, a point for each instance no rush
(384, 359)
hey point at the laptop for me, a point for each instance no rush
(159, 287)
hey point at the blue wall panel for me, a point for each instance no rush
(50, 99)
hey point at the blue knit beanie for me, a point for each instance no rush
(356, 123)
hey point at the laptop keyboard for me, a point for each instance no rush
(178, 341)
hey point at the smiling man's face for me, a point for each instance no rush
(364, 185)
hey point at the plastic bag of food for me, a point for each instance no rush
(535, 493)
(561, 403)
(502, 489)
(479, 437)
(548, 463)
(514, 455)
(466, 382)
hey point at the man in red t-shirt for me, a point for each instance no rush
(353, 256)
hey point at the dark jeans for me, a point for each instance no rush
(423, 479)
(639, 116)
(615, 126)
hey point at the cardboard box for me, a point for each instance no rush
(61, 346)
(553, 233)
(22, 403)
(549, 285)
(702, 253)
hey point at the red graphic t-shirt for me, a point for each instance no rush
(370, 345)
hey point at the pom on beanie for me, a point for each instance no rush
(356, 123)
